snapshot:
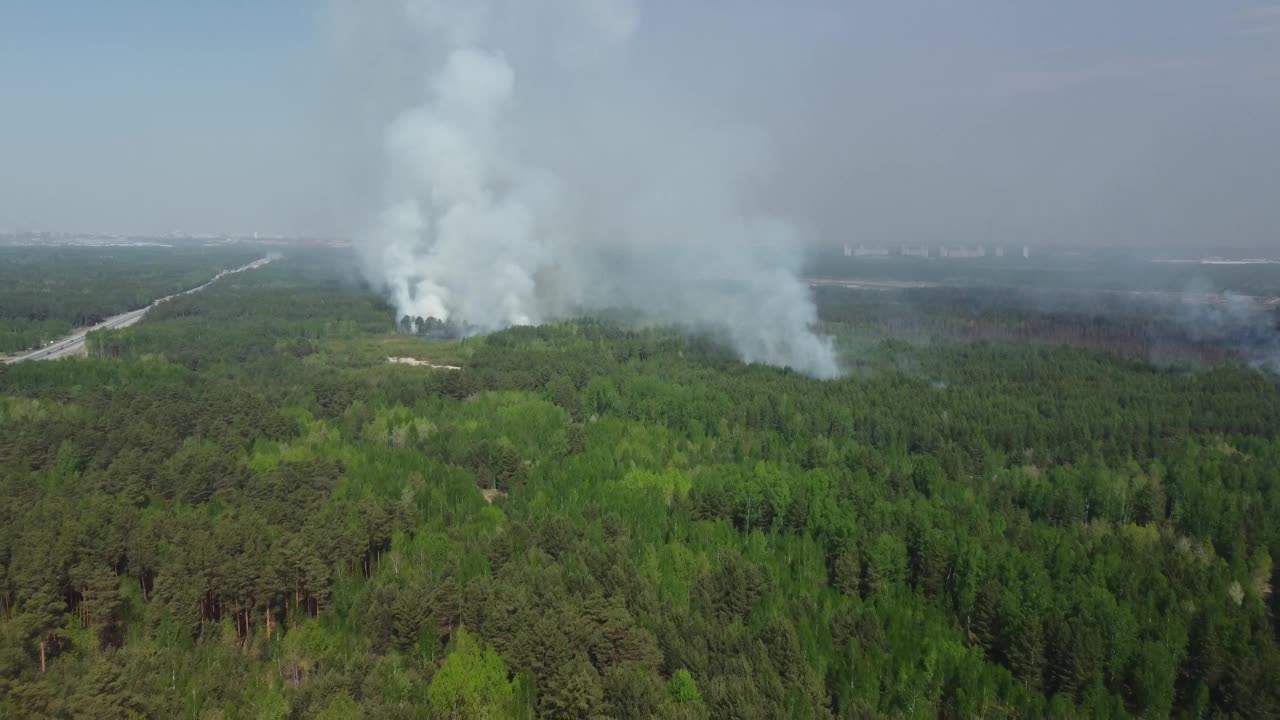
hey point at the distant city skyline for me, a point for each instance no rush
(1146, 123)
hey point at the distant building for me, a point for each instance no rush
(999, 252)
(864, 251)
(922, 251)
(963, 252)
(1026, 251)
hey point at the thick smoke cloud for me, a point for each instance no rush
(535, 171)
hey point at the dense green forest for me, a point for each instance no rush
(240, 509)
(46, 292)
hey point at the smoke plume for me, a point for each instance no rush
(534, 170)
(1248, 324)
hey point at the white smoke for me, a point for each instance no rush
(536, 175)
(1247, 324)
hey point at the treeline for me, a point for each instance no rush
(45, 292)
(1161, 329)
(189, 528)
(271, 316)
(433, 327)
(1095, 269)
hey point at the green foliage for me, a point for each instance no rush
(45, 292)
(342, 707)
(241, 509)
(472, 683)
(683, 689)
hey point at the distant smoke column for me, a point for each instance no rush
(1241, 322)
(451, 243)
(475, 233)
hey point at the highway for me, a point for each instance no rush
(73, 344)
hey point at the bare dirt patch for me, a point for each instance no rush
(421, 363)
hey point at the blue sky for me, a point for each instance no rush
(1137, 121)
(150, 115)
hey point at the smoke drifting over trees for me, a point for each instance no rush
(535, 171)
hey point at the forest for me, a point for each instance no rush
(239, 508)
(1089, 268)
(47, 291)
(1171, 329)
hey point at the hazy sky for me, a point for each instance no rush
(1144, 121)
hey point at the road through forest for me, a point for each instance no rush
(73, 343)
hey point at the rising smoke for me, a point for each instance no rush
(1247, 324)
(535, 171)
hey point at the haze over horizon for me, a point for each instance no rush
(1147, 123)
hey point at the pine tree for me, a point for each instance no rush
(1026, 649)
(43, 623)
(573, 692)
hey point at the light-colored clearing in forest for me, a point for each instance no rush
(421, 363)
